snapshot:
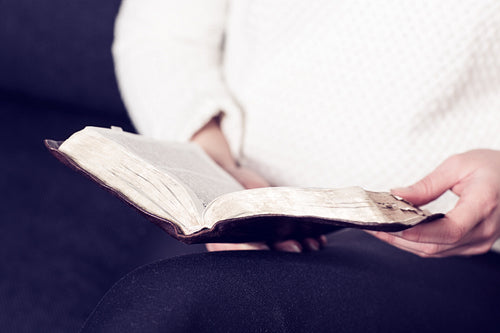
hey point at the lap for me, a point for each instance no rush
(356, 284)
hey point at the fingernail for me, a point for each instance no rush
(261, 247)
(312, 244)
(254, 247)
(292, 248)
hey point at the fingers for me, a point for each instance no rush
(307, 244)
(322, 240)
(442, 231)
(471, 209)
(433, 250)
(211, 247)
(478, 240)
(418, 248)
(468, 249)
(311, 244)
(472, 225)
(443, 178)
(288, 246)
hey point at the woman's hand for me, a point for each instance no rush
(473, 225)
(212, 140)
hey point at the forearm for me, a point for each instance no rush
(211, 138)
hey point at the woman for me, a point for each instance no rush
(334, 94)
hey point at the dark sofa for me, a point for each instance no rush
(63, 241)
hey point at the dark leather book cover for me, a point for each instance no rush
(268, 228)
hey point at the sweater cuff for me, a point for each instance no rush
(231, 122)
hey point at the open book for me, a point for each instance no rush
(179, 188)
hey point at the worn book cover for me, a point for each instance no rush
(180, 189)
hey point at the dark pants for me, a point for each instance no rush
(357, 284)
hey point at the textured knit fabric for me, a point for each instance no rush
(318, 93)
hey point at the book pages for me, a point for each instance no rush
(185, 161)
(173, 181)
(352, 205)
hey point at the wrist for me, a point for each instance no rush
(211, 138)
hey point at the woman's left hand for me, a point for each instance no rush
(473, 225)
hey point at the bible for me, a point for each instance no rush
(180, 189)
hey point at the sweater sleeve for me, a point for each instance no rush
(168, 62)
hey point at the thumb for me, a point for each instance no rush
(430, 187)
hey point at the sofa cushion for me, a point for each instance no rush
(60, 50)
(63, 240)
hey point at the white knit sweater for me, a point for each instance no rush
(318, 93)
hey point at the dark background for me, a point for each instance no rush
(63, 241)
